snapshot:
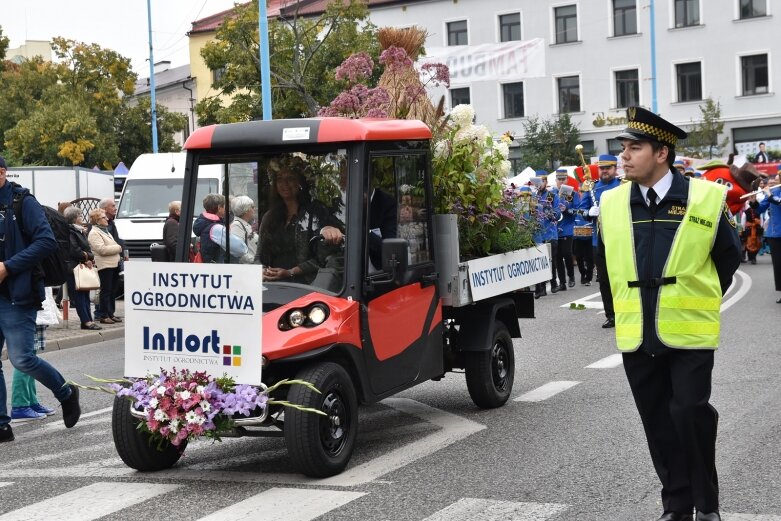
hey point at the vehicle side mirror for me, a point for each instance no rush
(395, 257)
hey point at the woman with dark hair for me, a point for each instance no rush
(79, 253)
(290, 222)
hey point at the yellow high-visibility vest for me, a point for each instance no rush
(687, 311)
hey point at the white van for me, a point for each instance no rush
(152, 183)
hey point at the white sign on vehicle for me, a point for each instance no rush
(497, 274)
(202, 317)
(295, 133)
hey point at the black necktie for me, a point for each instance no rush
(651, 200)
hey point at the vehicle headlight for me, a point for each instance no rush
(317, 315)
(296, 318)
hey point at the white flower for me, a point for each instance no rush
(161, 390)
(153, 403)
(174, 426)
(462, 115)
(476, 133)
(160, 415)
(184, 395)
(199, 389)
(503, 148)
(193, 417)
(440, 148)
(206, 406)
(504, 168)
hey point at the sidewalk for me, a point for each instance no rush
(64, 335)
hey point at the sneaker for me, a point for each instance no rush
(6, 433)
(23, 414)
(71, 410)
(37, 407)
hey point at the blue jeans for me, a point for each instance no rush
(79, 300)
(17, 329)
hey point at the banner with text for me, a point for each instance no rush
(202, 317)
(497, 274)
(491, 61)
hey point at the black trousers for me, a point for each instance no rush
(775, 256)
(554, 254)
(671, 392)
(564, 265)
(604, 287)
(584, 255)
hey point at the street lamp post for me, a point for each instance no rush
(152, 78)
(265, 68)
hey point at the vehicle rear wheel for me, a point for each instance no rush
(135, 447)
(490, 374)
(321, 446)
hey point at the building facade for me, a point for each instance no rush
(600, 57)
(174, 90)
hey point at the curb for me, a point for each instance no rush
(88, 338)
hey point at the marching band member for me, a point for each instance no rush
(569, 199)
(548, 213)
(772, 204)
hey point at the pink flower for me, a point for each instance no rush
(355, 68)
(395, 58)
(438, 73)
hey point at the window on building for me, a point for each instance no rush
(510, 27)
(755, 74)
(624, 17)
(627, 89)
(513, 100)
(566, 23)
(613, 147)
(457, 33)
(752, 8)
(217, 74)
(460, 96)
(569, 94)
(689, 77)
(687, 13)
(516, 165)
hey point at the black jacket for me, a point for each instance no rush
(382, 217)
(79, 246)
(170, 236)
(653, 236)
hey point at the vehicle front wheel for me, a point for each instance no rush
(135, 447)
(490, 374)
(321, 446)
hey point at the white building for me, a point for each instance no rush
(174, 89)
(599, 59)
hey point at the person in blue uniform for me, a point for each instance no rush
(590, 205)
(772, 203)
(548, 213)
(569, 199)
(682, 246)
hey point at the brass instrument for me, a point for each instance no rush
(588, 183)
(765, 190)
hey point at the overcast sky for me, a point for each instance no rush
(120, 25)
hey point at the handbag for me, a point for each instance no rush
(86, 278)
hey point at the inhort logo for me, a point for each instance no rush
(231, 355)
(175, 340)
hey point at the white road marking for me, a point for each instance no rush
(57, 425)
(593, 301)
(608, 362)
(749, 517)
(6, 483)
(90, 502)
(742, 291)
(489, 510)
(290, 504)
(546, 391)
(32, 460)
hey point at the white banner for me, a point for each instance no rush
(497, 274)
(491, 61)
(202, 317)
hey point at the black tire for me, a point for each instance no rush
(321, 446)
(135, 447)
(490, 374)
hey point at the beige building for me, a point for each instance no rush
(30, 49)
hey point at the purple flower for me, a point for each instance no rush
(395, 58)
(438, 73)
(355, 68)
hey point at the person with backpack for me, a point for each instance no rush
(23, 246)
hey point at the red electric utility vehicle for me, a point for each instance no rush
(361, 318)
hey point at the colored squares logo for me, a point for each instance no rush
(231, 355)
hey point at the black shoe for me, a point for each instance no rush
(778, 301)
(587, 283)
(713, 516)
(571, 283)
(610, 323)
(562, 287)
(71, 410)
(116, 319)
(6, 434)
(753, 261)
(675, 516)
(582, 280)
(554, 288)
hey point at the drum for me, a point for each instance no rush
(583, 231)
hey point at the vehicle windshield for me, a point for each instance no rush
(285, 211)
(150, 197)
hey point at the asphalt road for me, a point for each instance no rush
(568, 445)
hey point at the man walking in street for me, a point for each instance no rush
(21, 293)
(590, 204)
(670, 251)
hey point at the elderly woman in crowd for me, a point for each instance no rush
(243, 208)
(106, 251)
(79, 252)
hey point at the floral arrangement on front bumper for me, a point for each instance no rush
(181, 405)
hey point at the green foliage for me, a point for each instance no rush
(546, 144)
(703, 140)
(3, 48)
(134, 135)
(303, 54)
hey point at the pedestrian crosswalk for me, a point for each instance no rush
(489, 510)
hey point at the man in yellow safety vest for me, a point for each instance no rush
(671, 250)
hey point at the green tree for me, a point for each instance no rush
(303, 54)
(547, 143)
(703, 140)
(134, 133)
(3, 48)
